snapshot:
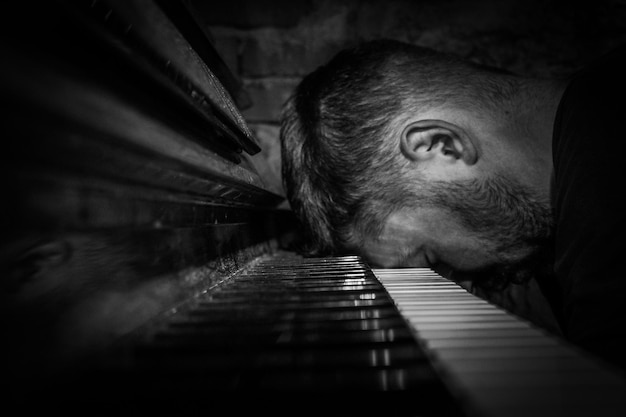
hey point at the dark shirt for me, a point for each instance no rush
(589, 154)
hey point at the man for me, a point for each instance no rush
(413, 158)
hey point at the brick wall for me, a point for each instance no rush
(270, 45)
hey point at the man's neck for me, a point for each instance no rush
(537, 104)
(536, 107)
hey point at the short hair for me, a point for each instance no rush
(340, 171)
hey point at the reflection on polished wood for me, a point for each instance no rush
(130, 179)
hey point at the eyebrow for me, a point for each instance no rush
(404, 256)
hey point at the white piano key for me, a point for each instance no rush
(497, 364)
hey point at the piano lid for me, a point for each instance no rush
(128, 178)
(134, 70)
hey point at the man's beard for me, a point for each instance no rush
(517, 226)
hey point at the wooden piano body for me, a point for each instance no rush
(146, 265)
(131, 181)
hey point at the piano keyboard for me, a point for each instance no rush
(289, 336)
(330, 336)
(495, 363)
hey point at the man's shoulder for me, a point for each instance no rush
(608, 68)
(593, 92)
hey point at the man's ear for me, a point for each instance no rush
(425, 140)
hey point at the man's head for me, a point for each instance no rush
(395, 152)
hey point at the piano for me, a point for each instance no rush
(149, 269)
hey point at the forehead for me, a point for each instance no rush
(402, 237)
